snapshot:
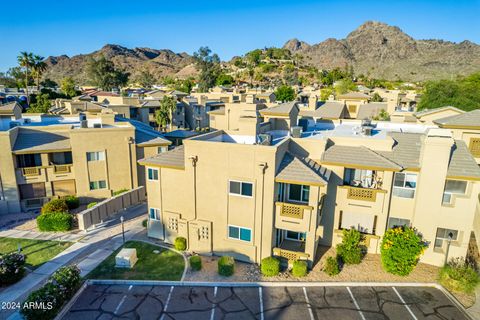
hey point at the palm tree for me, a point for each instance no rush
(38, 68)
(25, 60)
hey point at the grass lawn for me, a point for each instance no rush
(36, 251)
(166, 265)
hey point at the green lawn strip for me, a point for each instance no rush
(37, 251)
(166, 265)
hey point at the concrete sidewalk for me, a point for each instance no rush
(474, 311)
(88, 252)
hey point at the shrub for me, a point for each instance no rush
(459, 276)
(332, 267)
(55, 221)
(226, 266)
(55, 205)
(350, 249)
(11, 267)
(91, 205)
(400, 250)
(299, 268)
(145, 223)
(116, 193)
(180, 243)
(270, 266)
(195, 263)
(61, 286)
(72, 202)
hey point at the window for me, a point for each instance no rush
(360, 178)
(162, 149)
(241, 188)
(297, 236)
(474, 147)
(404, 185)
(453, 187)
(152, 174)
(361, 221)
(96, 156)
(29, 160)
(239, 233)
(352, 108)
(32, 190)
(444, 234)
(397, 222)
(101, 184)
(154, 214)
(297, 192)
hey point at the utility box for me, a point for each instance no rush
(126, 258)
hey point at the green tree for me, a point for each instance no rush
(376, 98)
(325, 93)
(209, 66)
(40, 103)
(463, 93)
(25, 61)
(164, 113)
(38, 68)
(49, 83)
(146, 79)
(102, 73)
(224, 80)
(345, 85)
(184, 85)
(285, 93)
(68, 87)
(254, 57)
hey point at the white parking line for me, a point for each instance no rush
(356, 304)
(261, 302)
(212, 315)
(404, 303)
(166, 303)
(308, 304)
(122, 301)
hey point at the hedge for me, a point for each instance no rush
(12, 268)
(226, 266)
(61, 286)
(401, 249)
(350, 249)
(55, 205)
(116, 193)
(299, 268)
(55, 221)
(180, 243)
(72, 202)
(459, 276)
(91, 205)
(332, 266)
(270, 266)
(195, 263)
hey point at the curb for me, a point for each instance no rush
(70, 303)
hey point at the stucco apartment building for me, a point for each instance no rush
(89, 155)
(236, 192)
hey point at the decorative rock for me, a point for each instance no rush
(126, 258)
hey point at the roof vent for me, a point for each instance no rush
(84, 124)
(265, 139)
(296, 132)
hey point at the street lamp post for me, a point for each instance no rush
(123, 229)
(449, 242)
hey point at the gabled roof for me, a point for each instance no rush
(358, 157)
(354, 95)
(30, 140)
(283, 109)
(427, 112)
(152, 103)
(328, 110)
(301, 171)
(406, 149)
(8, 108)
(465, 120)
(462, 164)
(174, 159)
(370, 110)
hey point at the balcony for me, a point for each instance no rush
(290, 255)
(31, 171)
(62, 168)
(363, 194)
(291, 210)
(295, 217)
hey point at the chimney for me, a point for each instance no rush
(250, 98)
(312, 102)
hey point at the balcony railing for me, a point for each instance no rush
(62, 168)
(364, 194)
(291, 210)
(31, 171)
(290, 255)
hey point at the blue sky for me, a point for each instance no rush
(228, 27)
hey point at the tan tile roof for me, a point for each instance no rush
(282, 109)
(30, 140)
(467, 120)
(370, 110)
(354, 95)
(292, 169)
(358, 157)
(9, 107)
(171, 159)
(435, 110)
(462, 163)
(406, 150)
(328, 110)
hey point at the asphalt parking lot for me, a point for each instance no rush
(291, 302)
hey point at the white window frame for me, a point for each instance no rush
(240, 194)
(98, 184)
(239, 232)
(285, 236)
(451, 195)
(156, 214)
(97, 156)
(404, 187)
(301, 193)
(445, 238)
(153, 170)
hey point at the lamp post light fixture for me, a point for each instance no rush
(123, 229)
(449, 242)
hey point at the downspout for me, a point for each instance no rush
(389, 201)
(130, 142)
(194, 165)
(263, 167)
